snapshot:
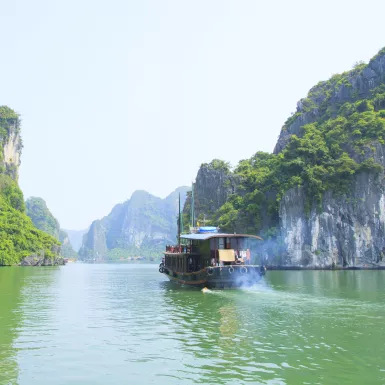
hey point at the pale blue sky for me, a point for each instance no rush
(123, 95)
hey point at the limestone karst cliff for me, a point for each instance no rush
(318, 200)
(214, 185)
(20, 241)
(141, 226)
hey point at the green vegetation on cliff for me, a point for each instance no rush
(19, 238)
(333, 136)
(218, 164)
(43, 219)
(8, 120)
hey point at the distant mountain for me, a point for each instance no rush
(76, 237)
(141, 226)
(42, 218)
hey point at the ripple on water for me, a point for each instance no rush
(97, 324)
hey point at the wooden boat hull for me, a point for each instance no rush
(218, 277)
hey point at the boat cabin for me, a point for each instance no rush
(202, 249)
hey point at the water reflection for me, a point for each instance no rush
(98, 324)
(25, 309)
(300, 325)
(228, 320)
(363, 285)
(225, 336)
(10, 318)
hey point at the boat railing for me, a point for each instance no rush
(238, 269)
(178, 249)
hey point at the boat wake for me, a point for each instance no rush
(259, 287)
(205, 290)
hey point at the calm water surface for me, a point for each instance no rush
(124, 324)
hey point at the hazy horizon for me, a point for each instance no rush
(123, 96)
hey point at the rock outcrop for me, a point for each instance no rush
(213, 186)
(18, 236)
(342, 126)
(357, 84)
(345, 231)
(39, 259)
(11, 143)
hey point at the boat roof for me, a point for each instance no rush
(205, 236)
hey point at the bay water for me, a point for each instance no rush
(127, 324)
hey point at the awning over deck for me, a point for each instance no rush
(205, 236)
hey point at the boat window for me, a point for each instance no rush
(221, 243)
(228, 245)
(234, 243)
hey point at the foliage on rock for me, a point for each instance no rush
(42, 218)
(19, 238)
(331, 138)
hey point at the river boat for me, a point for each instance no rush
(208, 258)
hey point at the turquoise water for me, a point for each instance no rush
(125, 324)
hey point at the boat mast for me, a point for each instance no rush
(179, 223)
(192, 207)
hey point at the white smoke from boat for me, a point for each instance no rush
(247, 275)
(270, 251)
(251, 275)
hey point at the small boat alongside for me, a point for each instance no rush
(208, 258)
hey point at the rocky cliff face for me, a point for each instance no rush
(12, 152)
(335, 139)
(345, 231)
(357, 84)
(140, 226)
(12, 145)
(213, 186)
(348, 229)
(94, 241)
(18, 236)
